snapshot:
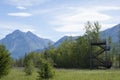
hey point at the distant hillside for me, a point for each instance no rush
(61, 40)
(112, 32)
(18, 43)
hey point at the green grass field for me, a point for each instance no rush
(63, 74)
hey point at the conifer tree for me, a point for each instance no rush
(28, 64)
(45, 70)
(5, 61)
(45, 67)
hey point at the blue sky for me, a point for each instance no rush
(53, 19)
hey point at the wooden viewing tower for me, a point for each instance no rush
(95, 60)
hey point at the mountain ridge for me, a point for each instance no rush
(19, 43)
(111, 32)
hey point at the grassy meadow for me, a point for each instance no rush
(68, 74)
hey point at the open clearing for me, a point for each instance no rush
(68, 74)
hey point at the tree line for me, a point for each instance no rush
(73, 53)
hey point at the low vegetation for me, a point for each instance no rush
(67, 74)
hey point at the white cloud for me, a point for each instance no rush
(75, 22)
(73, 34)
(25, 2)
(20, 7)
(8, 27)
(76, 17)
(70, 28)
(20, 14)
(41, 11)
(13, 26)
(83, 16)
(106, 8)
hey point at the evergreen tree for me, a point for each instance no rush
(46, 70)
(5, 61)
(28, 64)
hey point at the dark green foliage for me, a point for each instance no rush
(35, 57)
(75, 54)
(81, 52)
(72, 54)
(5, 61)
(28, 64)
(46, 70)
(21, 63)
(64, 54)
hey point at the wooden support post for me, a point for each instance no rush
(90, 56)
(119, 59)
